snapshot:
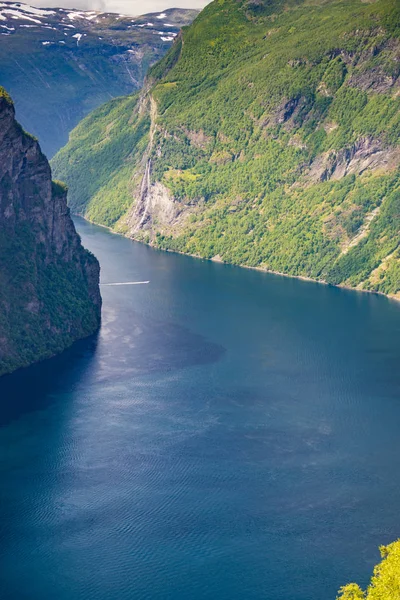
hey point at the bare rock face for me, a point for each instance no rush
(376, 78)
(366, 154)
(155, 207)
(49, 284)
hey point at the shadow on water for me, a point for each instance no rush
(124, 349)
(34, 387)
(133, 345)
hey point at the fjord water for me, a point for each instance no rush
(228, 434)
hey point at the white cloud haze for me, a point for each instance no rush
(127, 7)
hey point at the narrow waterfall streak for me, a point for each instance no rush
(126, 283)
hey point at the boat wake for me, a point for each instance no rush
(126, 283)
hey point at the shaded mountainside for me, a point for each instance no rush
(268, 136)
(59, 64)
(49, 284)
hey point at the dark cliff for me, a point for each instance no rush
(49, 284)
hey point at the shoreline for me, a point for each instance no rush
(260, 269)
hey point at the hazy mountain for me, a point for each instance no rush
(58, 64)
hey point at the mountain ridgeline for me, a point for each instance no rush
(268, 136)
(49, 284)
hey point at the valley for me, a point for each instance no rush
(185, 411)
(59, 64)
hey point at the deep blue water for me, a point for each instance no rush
(228, 435)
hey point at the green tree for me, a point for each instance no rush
(385, 582)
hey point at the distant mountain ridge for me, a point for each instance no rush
(268, 136)
(59, 64)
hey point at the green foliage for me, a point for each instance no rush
(161, 68)
(59, 188)
(111, 138)
(62, 312)
(382, 241)
(250, 98)
(385, 582)
(334, 75)
(6, 96)
(351, 592)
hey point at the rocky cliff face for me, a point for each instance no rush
(49, 284)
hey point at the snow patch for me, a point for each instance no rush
(23, 12)
(31, 10)
(78, 37)
(162, 16)
(81, 15)
(16, 14)
(88, 15)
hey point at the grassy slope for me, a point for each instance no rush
(257, 94)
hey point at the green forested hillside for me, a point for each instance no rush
(268, 136)
(385, 582)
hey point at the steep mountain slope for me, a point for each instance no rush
(59, 64)
(49, 285)
(268, 136)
